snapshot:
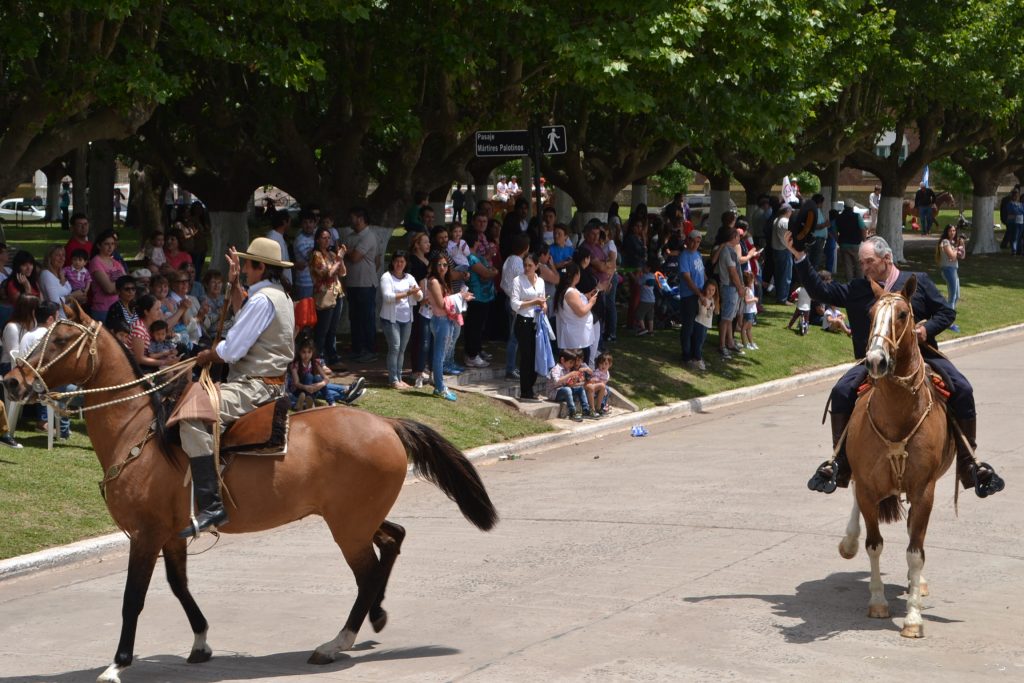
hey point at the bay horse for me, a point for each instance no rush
(346, 465)
(898, 442)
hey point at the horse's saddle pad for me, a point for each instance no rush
(264, 431)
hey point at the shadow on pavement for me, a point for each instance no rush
(831, 606)
(238, 667)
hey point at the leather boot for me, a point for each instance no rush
(829, 474)
(207, 490)
(980, 475)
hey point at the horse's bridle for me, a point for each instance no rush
(89, 333)
(890, 340)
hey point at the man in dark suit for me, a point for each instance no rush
(932, 315)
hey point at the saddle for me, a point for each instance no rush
(263, 431)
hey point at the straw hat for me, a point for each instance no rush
(265, 250)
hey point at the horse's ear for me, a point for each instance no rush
(909, 288)
(73, 310)
(876, 288)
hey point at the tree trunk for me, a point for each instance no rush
(753, 189)
(830, 184)
(563, 207)
(639, 193)
(983, 238)
(54, 172)
(101, 186)
(890, 224)
(227, 228)
(146, 189)
(719, 202)
(80, 181)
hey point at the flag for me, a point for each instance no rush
(924, 176)
(787, 190)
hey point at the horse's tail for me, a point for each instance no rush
(890, 510)
(437, 460)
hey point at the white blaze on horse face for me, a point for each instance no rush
(877, 357)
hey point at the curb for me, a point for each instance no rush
(95, 548)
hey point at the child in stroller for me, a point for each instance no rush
(668, 310)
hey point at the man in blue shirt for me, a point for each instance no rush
(691, 284)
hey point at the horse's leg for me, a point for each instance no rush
(917, 523)
(366, 567)
(141, 561)
(878, 608)
(388, 540)
(174, 561)
(923, 582)
(848, 546)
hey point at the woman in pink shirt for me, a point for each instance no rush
(105, 270)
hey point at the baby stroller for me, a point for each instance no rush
(668, 311)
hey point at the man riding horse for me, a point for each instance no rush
(932, 315)
(259, 347)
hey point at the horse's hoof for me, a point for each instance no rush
(380, 622)
(110, 675)
(319, 658)
(847, 553)
(200, 655)
(878, 611)
(912, 631)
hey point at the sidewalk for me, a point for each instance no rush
(95, 549)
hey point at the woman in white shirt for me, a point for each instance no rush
(527, 297)
(573, 317)
(398, 290)
(53, 283)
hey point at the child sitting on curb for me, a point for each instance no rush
(597, 386)
(308, 379)
(567, 384)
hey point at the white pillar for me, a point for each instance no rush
(890, 225)
(983, 238)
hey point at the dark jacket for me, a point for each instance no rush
(929, 306)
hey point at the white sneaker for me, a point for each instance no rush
(476, 362)
(701, 365)
(419, 381)
(486, 356)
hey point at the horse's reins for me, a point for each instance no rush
(90, 333)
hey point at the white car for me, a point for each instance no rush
(21, 211)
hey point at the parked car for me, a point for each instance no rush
(16, 210)
(700, 204)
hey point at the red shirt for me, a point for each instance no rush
(175, 261)
(74, 244)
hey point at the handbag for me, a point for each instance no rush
(305, 313)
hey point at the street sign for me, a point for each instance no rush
(553, 140)
(502, 143)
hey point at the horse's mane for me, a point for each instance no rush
(156, 402)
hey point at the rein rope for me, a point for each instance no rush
(90, 334)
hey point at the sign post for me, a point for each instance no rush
(536, 142)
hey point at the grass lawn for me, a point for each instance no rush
(51, 498)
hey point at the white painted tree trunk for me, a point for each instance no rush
(983, 237)
(639, 195)
(227, 228)
(719, 205)
(890, 225)
(563, 207)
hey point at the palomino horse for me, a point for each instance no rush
(898, 443)
(343, 464)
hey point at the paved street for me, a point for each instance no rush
(694, 554)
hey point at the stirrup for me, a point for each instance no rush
(209, 522)
(984, 486)
(824, 479)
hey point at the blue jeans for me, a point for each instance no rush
(783, 274)
(924, 218)
(687, 333)
(1016, 235)
(362, 316)
(569, 396)
(332, 393)
(700, 333)
(440, 330)
(99, 316)
(453, 337)
(302, 291)
(961, 399)
(952, 277)
(325, 334)
(397, 336)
